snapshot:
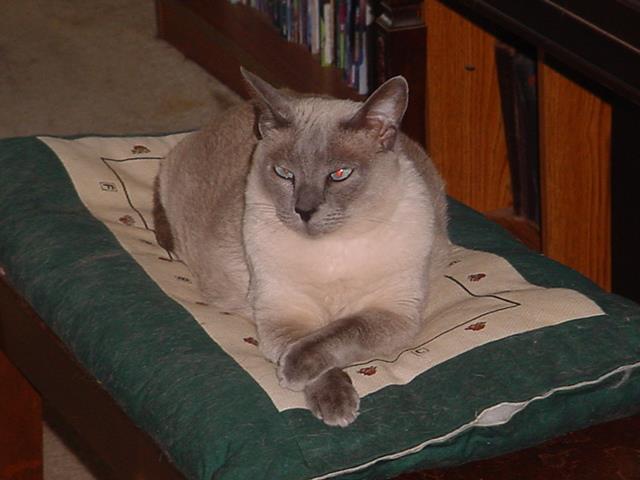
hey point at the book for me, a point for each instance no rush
(314, 26)
(340, 33)
(328, 32)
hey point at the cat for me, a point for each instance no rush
(316, 218)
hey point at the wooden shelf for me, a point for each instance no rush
(221, 36)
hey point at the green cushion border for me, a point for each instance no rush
(61, 258)
(148, 361)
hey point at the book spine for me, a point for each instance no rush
(302, 22)
(329, 32)
(288, 9)
(282, 17)
(322, 30)
(293, 21)
(364, 73)
(314, 27)
(341, 14)
(348, 41)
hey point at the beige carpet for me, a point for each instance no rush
(73, 66)
(77, 66)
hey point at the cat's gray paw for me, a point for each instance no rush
(332, 398)
(301, 363)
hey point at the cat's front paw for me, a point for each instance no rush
(301, 363)
(332, 398)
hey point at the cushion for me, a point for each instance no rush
(518, 348)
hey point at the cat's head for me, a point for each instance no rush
(323, 161)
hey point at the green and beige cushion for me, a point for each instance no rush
(518, 348)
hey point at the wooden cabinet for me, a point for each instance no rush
(588, 112)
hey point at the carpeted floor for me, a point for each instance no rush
(72, 66)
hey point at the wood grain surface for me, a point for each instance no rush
(575, 134)
(20, 426)
(465, 134)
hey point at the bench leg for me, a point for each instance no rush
(20, 426)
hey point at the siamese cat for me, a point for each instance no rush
(316, 218)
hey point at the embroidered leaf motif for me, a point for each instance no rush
(476, 326)
(138, 149)
(251, 341)
(368, 371)
(127, 220)
(476, 277)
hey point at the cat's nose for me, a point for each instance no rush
(305, 214)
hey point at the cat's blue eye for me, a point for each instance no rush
(283, 172)
(341, 174)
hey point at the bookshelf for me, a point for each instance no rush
(221, 36)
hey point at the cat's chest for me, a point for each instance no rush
(342, 262)
(378, 256)
(328, 261)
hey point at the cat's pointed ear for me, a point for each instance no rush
(273, 109)
(382, 112)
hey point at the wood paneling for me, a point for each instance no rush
(465, 134)
(575, 134)
(589, 42)
(20, 426)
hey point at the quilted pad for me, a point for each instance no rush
(517, 349)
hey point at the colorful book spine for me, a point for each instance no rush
(328, 20)
(338, 31)
(341, 26)
(364, 59)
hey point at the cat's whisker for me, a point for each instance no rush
(266, 221)
(261, 208)
(260, 204)
(262, 214)
(383, 221)
(267, 224)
